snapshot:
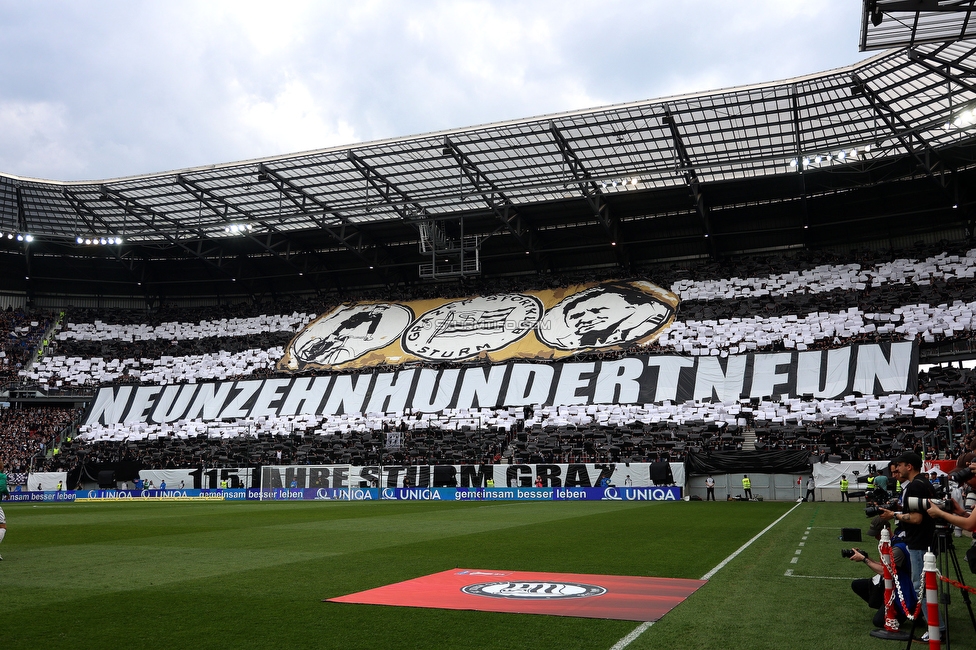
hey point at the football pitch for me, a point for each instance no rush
(241, 575)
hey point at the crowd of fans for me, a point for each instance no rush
(22, 332)
(807, 300)
(757, 305)
(937, 425)
(27, 434)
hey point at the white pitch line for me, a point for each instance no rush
(627, 640)
(640, 629)
(721, 564)
(789, 574)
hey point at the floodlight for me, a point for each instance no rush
(20, 237)
(88, 241)
(79, 240)
(29, 238)
(102, 241)
(965, 119)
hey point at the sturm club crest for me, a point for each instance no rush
(463, 329)
(534, 590)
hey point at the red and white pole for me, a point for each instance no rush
(891, 627)
(884, 550)
(932, 600)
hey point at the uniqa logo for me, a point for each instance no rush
(534, 590)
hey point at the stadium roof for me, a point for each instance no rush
(804, 162)
(889, 24)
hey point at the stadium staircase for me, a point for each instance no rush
(749, 444)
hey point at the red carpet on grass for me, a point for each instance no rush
(626, 598)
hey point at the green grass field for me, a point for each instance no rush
(241, 575)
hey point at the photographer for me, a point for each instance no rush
(959, 516)
(919, 527)
(872, 589)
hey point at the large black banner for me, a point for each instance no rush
(873, 369)
(757, 462)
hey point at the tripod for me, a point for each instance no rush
(946, 560)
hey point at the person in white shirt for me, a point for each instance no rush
(811, 486)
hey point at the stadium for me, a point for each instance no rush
(291, 399)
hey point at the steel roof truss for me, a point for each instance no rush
(81, 209)
(208, 199)
(942, 68)
(137, 211)
(496, 200)
(590, 191)
(688, 170)
(347, 234)
(387, 190)
(926, 157)
(798, 135)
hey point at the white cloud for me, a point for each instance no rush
(34, 139)
(290, 121)
(125, 88)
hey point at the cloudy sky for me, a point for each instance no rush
(96, 90)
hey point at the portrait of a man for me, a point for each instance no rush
(606, 315)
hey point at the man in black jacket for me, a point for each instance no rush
(919, 527)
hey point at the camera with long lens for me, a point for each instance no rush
(848, 553)
(874, 510)
(921, 504)
(961, 475)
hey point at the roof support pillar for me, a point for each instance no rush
(691, 177)
(591, 192)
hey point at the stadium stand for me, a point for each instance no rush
(22, 333)
(773, 303)
(27, 434)
(805, 308)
